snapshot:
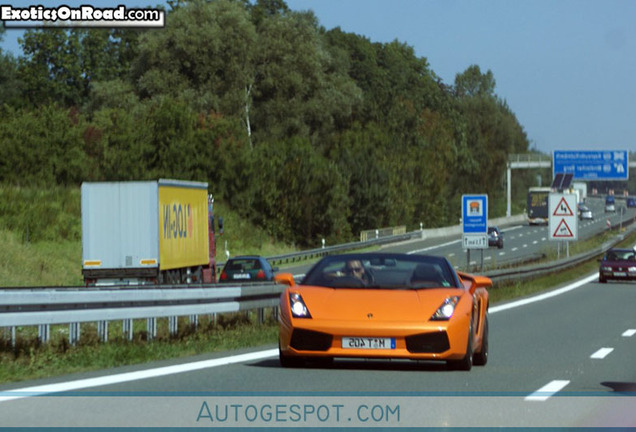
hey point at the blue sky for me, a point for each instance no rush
(566, 68)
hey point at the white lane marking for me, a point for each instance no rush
(541, 297)
(514, 249)
(629, 333)
(133, 376)
(501, 253)
(602, 353)
(547, 390)
(434, 247)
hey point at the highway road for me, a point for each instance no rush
(560, 359)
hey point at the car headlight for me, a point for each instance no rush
(631, 269)
(604, 268)
(297, 306)
(446, 310)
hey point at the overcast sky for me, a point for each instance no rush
(566, 68)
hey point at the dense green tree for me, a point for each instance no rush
(61, 65)
(197, 58)
(310, 133)
(42, 147)
(299, 194)
(10, 85)
(298, 90)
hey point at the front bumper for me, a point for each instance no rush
(432, 340)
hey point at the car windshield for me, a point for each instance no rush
(243, 264)
(385, 271)
(620, 255)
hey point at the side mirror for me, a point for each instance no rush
(285, 279)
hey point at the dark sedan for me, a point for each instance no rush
(251, 268)
(619, 264)
(495, 237)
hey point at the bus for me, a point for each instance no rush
(538, 205)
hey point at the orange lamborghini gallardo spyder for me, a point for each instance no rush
(385, 305)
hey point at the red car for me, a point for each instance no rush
(619, 264)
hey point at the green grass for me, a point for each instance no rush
(45, 263)
(31, 360)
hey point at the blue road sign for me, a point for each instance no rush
(592, 165)
(475, 213)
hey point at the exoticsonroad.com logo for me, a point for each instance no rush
(80, 16)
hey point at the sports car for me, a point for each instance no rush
(619, 264)
(384, 305)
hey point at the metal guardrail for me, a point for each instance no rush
(50, 306)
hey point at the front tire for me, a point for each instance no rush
(481, 358)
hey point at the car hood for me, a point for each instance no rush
(624, 264)
(385, 305)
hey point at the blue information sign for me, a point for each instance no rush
(475, 213)
(592, 165)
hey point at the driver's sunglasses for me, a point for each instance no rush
(355, 269)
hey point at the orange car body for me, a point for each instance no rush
(372, 322)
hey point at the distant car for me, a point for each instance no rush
(585, 212)
(251, 268)
(631, 202)
(610, 204)
(619, 264)
(495, 237)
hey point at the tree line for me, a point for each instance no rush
(309, 132)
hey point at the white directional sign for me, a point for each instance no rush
(563, 221)
(475, 241)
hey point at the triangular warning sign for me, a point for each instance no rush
(563, 230)
(563, 209)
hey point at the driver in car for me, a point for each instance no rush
(356, 269)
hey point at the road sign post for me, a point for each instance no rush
(475, 224)
(563, 218)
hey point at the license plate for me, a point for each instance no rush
(241, 276)
(620, 274)
(368, 343)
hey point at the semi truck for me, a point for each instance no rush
(581, 187)
(147, 232)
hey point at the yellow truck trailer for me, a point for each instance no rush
(143, 232)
